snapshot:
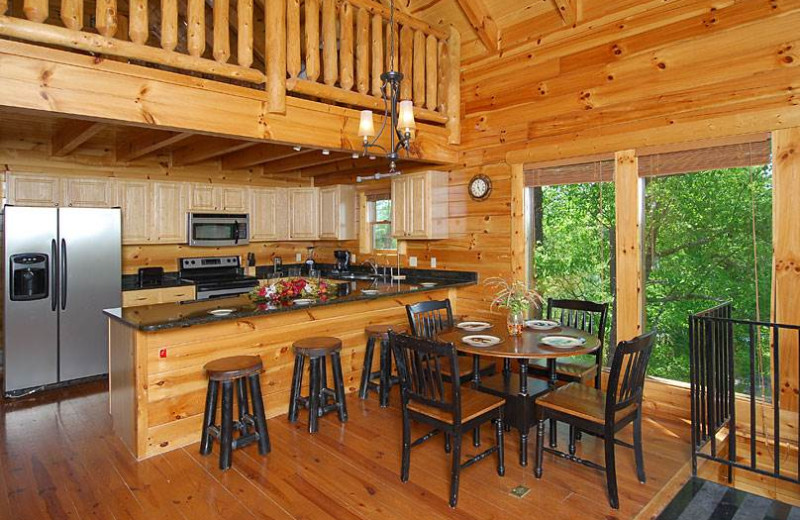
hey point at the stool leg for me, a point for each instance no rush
(366, 371)
(226, 437)
(386, 374)
(244, 406)
(206, 440)
(323, 384)
(338, 383)
(259, 417)
(297, 383)
(313, 397)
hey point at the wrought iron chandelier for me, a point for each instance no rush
(399, 114)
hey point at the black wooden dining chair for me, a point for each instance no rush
(587, 316)
(602, 414)
(427, 319)
(446, 406)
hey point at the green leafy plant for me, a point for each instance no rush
(515, 296)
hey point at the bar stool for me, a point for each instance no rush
(384, 374)
(317, 350)
(252, 426)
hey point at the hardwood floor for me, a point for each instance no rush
(59, 459)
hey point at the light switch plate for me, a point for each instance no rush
(412, 261)
(298, 257)
(433, 262)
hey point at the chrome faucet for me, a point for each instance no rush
(371, 262)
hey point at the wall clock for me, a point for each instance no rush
(480, 187)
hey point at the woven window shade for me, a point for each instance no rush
(373, 197)
(594, 171)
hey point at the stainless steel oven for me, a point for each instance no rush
(218, 229)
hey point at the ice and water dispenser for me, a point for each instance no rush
(29, 277)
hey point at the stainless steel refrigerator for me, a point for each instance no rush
(62, 267)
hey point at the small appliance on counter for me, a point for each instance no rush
(277, 266)
(342, 261)
(150, 276)
(310, 264)
(216, 276)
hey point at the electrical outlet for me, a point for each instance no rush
(433, 262)
(298, 257)
(353, 258)
(412, 261)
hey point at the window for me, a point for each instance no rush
(381, 224)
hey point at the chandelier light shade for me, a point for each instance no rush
(405, 120)
(366, 127)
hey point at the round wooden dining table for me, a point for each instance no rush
(523, 348)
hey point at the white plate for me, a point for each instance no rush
(480, 340)
(370, 292)
(542, 324)
(429, 284)
(474, 326)
(220, 312)
(303, 301)
(562, 341)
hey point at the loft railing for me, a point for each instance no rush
(733, 392)
(331, 50)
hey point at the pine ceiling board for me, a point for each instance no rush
(507, 13)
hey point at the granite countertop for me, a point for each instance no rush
(130, 282)
(164, 316)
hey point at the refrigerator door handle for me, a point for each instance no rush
(53, 276)
(63, 275)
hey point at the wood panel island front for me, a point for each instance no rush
(156, 353)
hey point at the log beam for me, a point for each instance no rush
(629, 195)
(148, 143)
(482, 22)
(256, 155)
(72, 136)
(308, 159)
(567, 10)
(204, 148)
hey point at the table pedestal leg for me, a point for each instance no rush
(524, 415)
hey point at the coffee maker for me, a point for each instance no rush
(342, 260)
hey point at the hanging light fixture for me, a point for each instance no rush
(399, 114)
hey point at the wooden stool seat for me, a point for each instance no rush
(233, 367)
(382, 331)
(318, 346)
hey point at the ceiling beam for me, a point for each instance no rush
(204, 148)
(256, 155)
(308, 159)
(72, 135)
(568, 10)
(347, 165)
(481, 20)
(148, 143)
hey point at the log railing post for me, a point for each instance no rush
(418, 80)
(36, 10)
(3, 7)
(276, 54)
(330, 66)
(139, 29)
(196, 30)
(454, 86)
(293, 58)
(406, 61)
(169, 24)
(362, 51)
(392, 53)
(222, 31)
(441, 105)
(377, 54)
(244, 45)
(71, 13)
(346, 46)
(431, 72)
(312, 39)
(106, 17)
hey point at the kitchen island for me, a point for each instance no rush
(156, 353)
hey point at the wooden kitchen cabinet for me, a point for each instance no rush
(88, 193)
(205, 197)
(169, 208)
(303, 213)
(337, 209)
(420, 206)
(159, 295)
(269, 219)
(33, 190)
(134, 199)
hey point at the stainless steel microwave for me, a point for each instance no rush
(218, 229)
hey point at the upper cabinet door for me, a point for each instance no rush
(134, 199)
(399, 207)
(329, 213)
(169, 209)
(233, 199)
(202, 198)
(268, 215)
(88, 193)
(34, 190)
(418, 206)
(303, 213)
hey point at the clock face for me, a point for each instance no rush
(479, 187)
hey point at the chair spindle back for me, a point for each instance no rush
(628, 370)
(427, 319)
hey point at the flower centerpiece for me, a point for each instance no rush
(517, 298)
(284, 291)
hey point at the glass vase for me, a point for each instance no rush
(515, 322)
